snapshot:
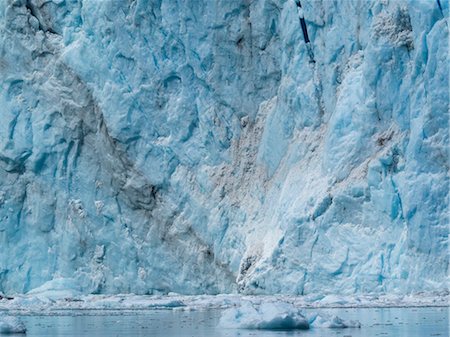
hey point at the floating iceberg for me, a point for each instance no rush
(279, 315)
(11, 325)
(269, 316)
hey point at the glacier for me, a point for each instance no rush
(156, 146)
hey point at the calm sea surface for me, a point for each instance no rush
(407, 322)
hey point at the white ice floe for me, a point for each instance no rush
(52, 297)
(281, 316)
(265, 316)
(11, 325)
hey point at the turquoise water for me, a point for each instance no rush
(407, 322)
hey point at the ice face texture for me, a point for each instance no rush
(150, 146)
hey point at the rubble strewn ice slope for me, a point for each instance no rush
(150, 146)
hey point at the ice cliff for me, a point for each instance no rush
(150, 146)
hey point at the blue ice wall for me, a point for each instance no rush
(158, 145)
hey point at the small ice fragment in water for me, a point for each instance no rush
(330, 321)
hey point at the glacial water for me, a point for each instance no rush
(407, 322)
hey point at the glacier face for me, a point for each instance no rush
(156, 145)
